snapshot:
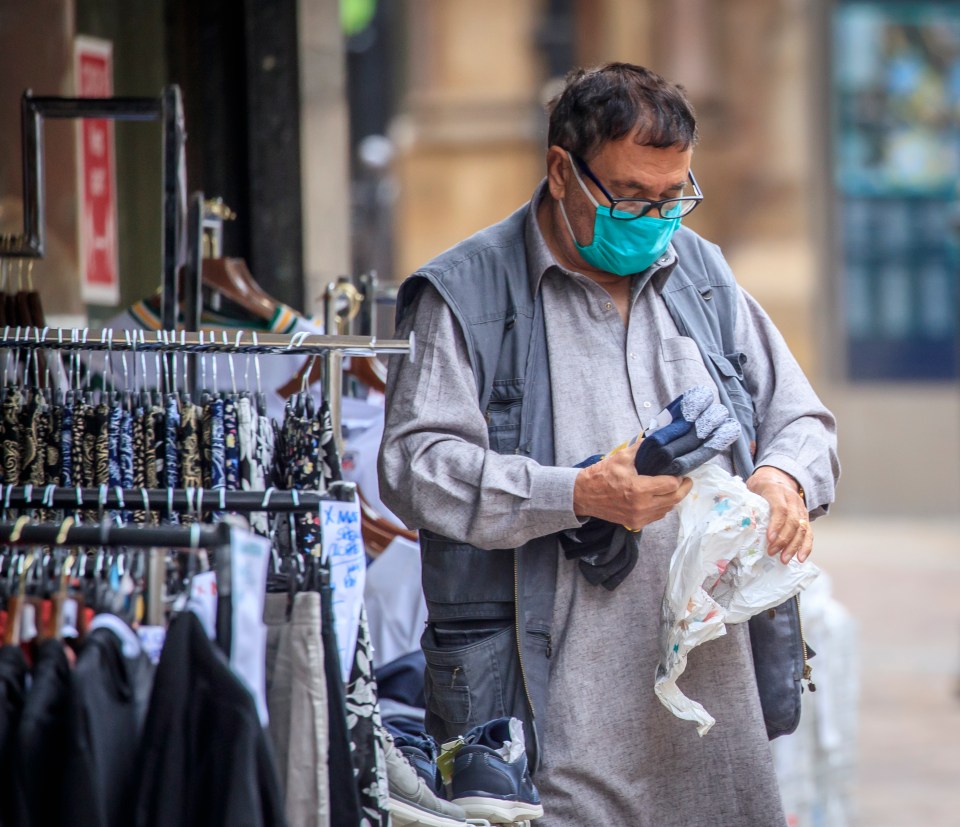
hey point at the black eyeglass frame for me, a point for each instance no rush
(696, 198)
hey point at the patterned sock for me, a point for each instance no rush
(672, 423)
(687, 407)
(722, 438)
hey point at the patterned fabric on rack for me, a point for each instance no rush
(214, 449)
(135, 440)
(171, 459)
(139, 449)
(247, 445)
(231, 444)
(126, 449)
(38, 471)
(29, 449)
(101, 445)
(266, 449)
(363, 722)
(11, 436)
(191, 473)
(154, 428)
(54, 455)
(115, 479)
(206, 438)
(66, 442)
(252, 472)
(79, 432)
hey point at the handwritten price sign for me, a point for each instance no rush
(343, 548)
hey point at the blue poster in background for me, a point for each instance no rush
(896, 101)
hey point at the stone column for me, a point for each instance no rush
(470, 143)
(324, 150)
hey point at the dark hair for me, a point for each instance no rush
(619, 99)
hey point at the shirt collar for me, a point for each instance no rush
(540, 259)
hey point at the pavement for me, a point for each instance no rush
(900, 580)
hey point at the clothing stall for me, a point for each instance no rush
(189, 507)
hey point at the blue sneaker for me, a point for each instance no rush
(421, 751)
(491, 779)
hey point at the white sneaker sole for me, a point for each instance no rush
(403, 814)
(499, 812)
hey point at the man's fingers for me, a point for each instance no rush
(666, 486)
(804, 539)
(778, 519)
(799, 542)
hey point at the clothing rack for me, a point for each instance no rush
(169, 500)
(331, 348)
(194, 536)
(169, 341)
(183, 500)
(168, 108)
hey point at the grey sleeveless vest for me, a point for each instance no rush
(485, 283)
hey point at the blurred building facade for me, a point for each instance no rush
(359, 134)
(829, 160)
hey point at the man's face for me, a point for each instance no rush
(626, 170)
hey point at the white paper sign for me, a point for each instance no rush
(248, 639)
(203, 600)
(343, 549)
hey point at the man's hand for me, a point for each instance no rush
(613, 491)
(789, 532)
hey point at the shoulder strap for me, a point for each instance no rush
(702, 299)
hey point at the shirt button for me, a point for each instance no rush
(633, 356)
(608, 306)
(646, 404)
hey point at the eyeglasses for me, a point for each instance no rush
(628, 209)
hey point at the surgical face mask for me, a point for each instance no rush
(621, 246)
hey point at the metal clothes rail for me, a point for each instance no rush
(168, 108)
(194, 536)
(168, 341)
(169, 500)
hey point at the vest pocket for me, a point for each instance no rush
(730, 368)
(503, 415)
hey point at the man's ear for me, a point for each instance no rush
(558, 171)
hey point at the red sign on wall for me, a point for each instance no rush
(100, 280)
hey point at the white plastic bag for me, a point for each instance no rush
(720, 573)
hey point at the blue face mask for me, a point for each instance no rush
(618, 246)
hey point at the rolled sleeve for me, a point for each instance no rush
(436, 468)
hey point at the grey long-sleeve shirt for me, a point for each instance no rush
(612, 753)
(436, 468)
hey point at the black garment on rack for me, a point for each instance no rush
(344, 797)
(44, 738)
(206, 760)
(13, 690)
(110, 697)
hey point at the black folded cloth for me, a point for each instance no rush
(688, 432)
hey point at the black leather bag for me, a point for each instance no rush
(780, 657)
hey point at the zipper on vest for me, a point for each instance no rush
(807, 669)
(516, 623)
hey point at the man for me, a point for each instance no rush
(543, 340)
